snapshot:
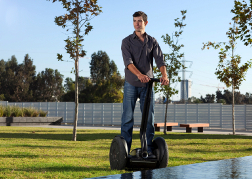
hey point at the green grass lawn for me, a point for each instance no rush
(28, 152)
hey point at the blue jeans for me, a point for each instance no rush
(131, 93)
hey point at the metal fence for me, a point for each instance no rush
(102, 114)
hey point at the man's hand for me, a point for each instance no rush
(164, 80)
(143, 78)
(140, 76)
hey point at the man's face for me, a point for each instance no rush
(139, 24)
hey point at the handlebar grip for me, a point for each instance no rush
(152, 79)
(155, 79)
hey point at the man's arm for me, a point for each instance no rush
(143, 78)
(159, 58)
(164, 79)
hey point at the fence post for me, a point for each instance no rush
(93, 114)
(57, 108)
(65, 118)
(112, 113)
(209, 113)
(84, 114)
(48, 109)
(102, 114)
(197, 112)
(245, 116)
(163, 112)
(221, 115)
(185, 113)
(174, 112)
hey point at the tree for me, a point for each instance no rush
(226, 98)
(69, 87)
(208, 99)
(24, 78)
(8, 77)
(107, 91)
(194, 100)
(248, 98)
(69, 84)
(101, 68)
(107, 80)
(230, 71)
(82, 82)
(219, 96)
(104, 87)
(2, 76)
(48, 85)
(75, 9)
(243, 17)
(173, 65)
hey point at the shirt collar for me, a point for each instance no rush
(135, 36)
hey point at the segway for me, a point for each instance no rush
(138, 158)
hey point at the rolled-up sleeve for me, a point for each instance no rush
(127, 57)
(158, 55)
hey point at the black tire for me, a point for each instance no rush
(118, 153)
(161, 151)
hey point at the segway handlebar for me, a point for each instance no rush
(155, 79)
(152, 80)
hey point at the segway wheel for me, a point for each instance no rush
(161, 151)
(118, 153)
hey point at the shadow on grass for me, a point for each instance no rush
(104, 135)
(61, 168)
(34, 146)
(32, 156)
(20, 156)
(200, 136)
(207, 151)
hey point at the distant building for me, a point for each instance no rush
(185, 89)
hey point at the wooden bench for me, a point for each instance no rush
(168, 125)
(191, 125)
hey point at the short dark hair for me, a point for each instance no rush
(140, 13)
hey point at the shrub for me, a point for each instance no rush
(35, 113)
(7, 111)
(1, 111)
(2, 97)
(16, 111)
(28, 112)
(42, 113)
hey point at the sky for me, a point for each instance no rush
(28, 27)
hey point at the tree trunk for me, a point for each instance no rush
(76, 100)
(76, 76)
(233, 117)
(166, 109)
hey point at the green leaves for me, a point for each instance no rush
(75, 20)
(229, 71)
(172, 59)
(243, 17)
(59, 57)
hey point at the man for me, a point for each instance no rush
(138, 50)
